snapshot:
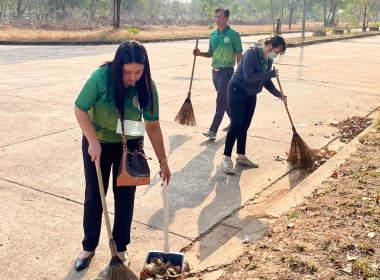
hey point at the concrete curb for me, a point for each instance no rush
(257, 229)
(312, 182)
(312, 42)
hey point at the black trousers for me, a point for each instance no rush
(242, 108)
(124, 197)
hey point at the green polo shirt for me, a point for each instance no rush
(223, 46)
(98, 98)
(264, 62)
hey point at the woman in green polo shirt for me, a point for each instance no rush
(121, 87)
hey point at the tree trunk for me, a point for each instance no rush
(29, 10)
(129, 5)
(92, 9)
(324, 13)
(116, 15)
(333, 12)
(364, 28)
(271, 8)
(282, 16)
(150, 14)
(291, 14)
(304, 19)
(60, 9)
(18, 8)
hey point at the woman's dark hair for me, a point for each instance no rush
(277, 41)
(132, 52)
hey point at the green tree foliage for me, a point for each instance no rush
(140, 12)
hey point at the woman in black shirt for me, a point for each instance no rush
(252, 74)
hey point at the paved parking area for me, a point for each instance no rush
(41, 174)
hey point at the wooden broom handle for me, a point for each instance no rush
(166, 216)
(282, 95)
(192, 72)
(104, 205)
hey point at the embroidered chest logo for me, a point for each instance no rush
(226, 40)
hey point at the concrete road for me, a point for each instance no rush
(41, 173)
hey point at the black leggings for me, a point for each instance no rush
(242, 107)
(124, 197)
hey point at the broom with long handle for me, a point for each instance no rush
(117, 271)
(300, 154)
(186, 114)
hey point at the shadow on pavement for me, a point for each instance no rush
(296, 175)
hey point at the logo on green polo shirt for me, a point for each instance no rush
(226, 40)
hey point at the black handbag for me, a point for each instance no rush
(134, 169)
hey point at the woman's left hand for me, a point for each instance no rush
(153, 130)
(165, 172)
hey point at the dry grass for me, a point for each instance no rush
(145, 33)
(297, 40)
(150, 33)
(334, 234)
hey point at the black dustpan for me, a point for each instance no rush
(177, 259)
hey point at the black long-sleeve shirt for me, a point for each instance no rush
(249, 74)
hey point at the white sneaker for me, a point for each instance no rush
(246, 162)
(210, 134)
(228, 167)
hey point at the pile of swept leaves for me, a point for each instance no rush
(157, 268)
(334, 234)
(348, 130)
(351, 127)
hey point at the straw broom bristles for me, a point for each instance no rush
(300, 155)
(118, 271)
(186, 116)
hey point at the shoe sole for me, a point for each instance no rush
(88, 261)
(229, 172)
(210, 137)
(246, 165)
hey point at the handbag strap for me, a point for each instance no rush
(125, 137)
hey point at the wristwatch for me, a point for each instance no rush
(162, 160)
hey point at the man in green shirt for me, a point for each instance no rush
(225, 49)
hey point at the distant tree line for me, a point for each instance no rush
(121, 13)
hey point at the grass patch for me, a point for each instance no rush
(301, 247)
(333, 258)
(252, 266)
(362, 267)
(293, 215)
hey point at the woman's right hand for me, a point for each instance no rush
(94, 150)
(285, 100)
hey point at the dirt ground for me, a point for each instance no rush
(333, 234)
